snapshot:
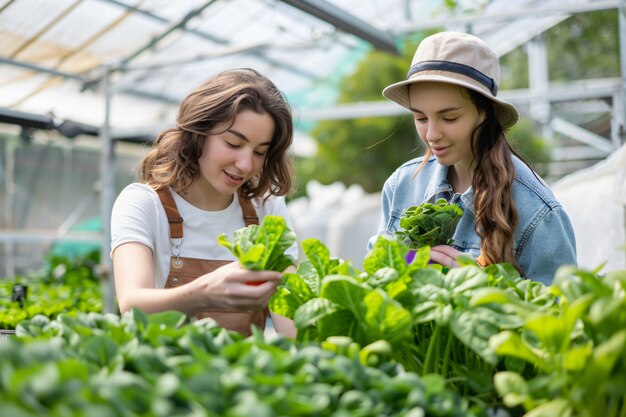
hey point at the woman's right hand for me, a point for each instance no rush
(228, 287)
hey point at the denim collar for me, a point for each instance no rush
(439, 187)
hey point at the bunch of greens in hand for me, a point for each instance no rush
(429, 224)
(262, 248)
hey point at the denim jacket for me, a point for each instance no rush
(544, 238)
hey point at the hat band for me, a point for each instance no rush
(455, 67)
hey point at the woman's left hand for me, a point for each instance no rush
(445, 255)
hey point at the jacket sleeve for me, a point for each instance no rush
(550, 245)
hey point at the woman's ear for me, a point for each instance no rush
(482, 115)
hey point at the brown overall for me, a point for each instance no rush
(184, 270)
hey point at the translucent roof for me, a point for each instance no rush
(54, 54)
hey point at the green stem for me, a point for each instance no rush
(446, 355)
(434, 340)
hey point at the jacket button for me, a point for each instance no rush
(175, 281)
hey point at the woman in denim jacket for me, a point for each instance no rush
(509, 214)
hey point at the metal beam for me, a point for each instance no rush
(107, 196)
(572, 153)
(619, 107)
(207, 36)
(225, 51)
(39, 68)
(567, 9)
(155, 41)
(582, 135)
(347, 22)
(570, 91)
(48, 235)
(538, 78)
(36, 121)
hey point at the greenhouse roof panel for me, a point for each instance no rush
(53, 53)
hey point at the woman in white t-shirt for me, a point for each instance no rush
(223, 166)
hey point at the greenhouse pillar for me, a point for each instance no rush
(107, 187)
(621, 113)
(539, 81)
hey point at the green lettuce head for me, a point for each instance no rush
(429, 224)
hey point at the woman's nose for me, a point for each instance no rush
(433, 132)
(244, 161)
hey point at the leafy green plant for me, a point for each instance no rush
(494, 337)
(429, 224)
(160, 365)
(578, 349)
(63, 285)
(433, 322)
(262, 247)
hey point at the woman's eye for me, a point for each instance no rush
(258, 153)
(450, 119)
(232, 145)
(421, 119)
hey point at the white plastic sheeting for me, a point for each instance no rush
(343, 218)
(595, 200)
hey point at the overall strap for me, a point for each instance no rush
(173, 216)
(176, 222)
(249, 213)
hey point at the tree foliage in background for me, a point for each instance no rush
(533, 148)
(583, 46)
(366, 150)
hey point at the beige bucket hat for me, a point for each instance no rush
(456, 58)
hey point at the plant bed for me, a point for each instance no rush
(161, 365)
(62, 285)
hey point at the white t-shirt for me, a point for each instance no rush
(139, 216)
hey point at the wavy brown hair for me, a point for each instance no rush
(492, 182)
(173, 160)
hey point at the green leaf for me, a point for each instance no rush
(512, 387)
(253, 257)
(100, 350)
(277, 238)
(603, 361)
(385, 318)
(244, 239)
(318, 255)
(309, 274)
(346, 292)
(474, 328)
(559, 407)
(386, 252)
(461, 280)
(577, 357)
(508, 343)
(310, 312)
(341, 322)
(429, 224)
(292, 293)
(262, 247)
(169, 318)
(552, 332)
